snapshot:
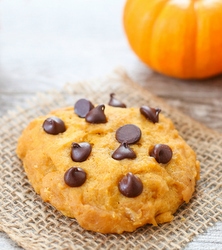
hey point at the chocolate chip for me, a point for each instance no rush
(96, 115)
(162, 153)
(123, 152)
(80, 151)
(75, 177)
(82, 107)
(115, 102)
(128, 133)
(54, 126)
(151, 114)
(130, 185)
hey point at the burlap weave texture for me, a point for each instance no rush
(36, 225)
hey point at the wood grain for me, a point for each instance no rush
(201, 100)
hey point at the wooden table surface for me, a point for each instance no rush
(45, 44)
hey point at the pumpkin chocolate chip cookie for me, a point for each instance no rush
(110, 167)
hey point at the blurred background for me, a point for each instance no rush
(47, 43)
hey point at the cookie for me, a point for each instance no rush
(111, 167)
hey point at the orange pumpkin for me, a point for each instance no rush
(179, 38)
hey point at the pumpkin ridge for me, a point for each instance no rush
(131, 17)
(174, 37)
(209, 52)
(159, 10)
(188, 72)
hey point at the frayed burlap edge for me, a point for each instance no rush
(36, 225)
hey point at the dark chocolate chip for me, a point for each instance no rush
(128, 133)
(162, 153)
(96, 115)
(123, 152)
(75, 177)
(82, 107)
(80, 151)
(54, 126)
(151, 114)
(115, 102)
(130, 185)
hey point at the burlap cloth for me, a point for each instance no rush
(37, 225)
